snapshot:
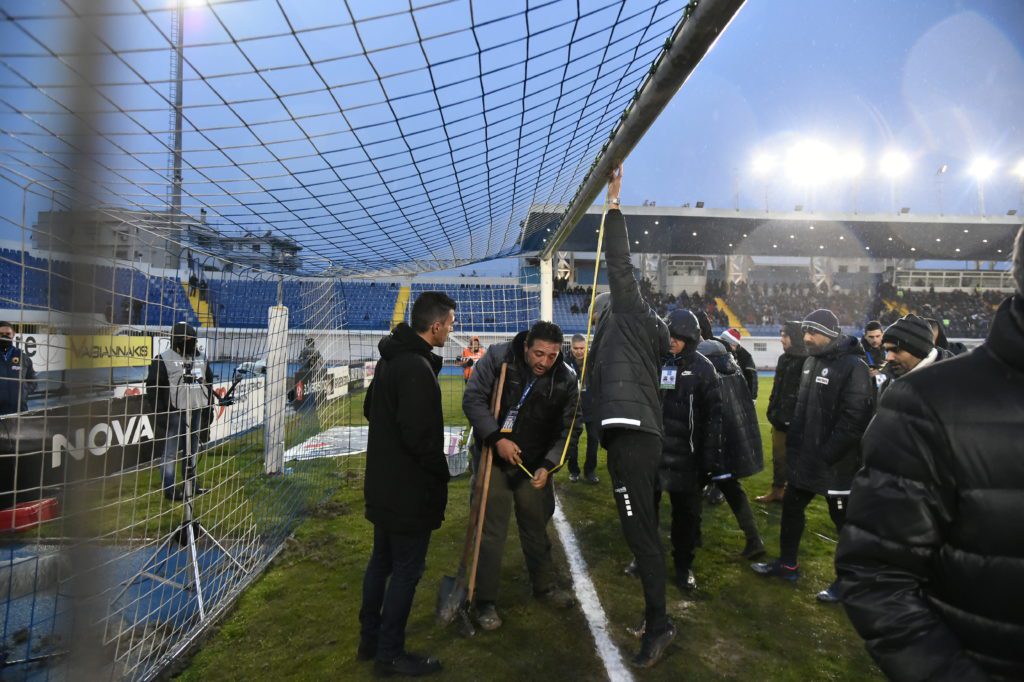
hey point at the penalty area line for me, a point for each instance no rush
(589, 601)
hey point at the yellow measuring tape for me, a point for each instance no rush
(586, 351)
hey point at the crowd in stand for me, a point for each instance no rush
(773, 304)
(962, 314)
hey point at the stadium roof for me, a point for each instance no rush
(758, 233)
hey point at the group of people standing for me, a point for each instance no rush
(925, 493)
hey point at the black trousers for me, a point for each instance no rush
(686, 519)
(794, 519)
(736, 496)
(633, 458)
(386, 603)
(590, 459)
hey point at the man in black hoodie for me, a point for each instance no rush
(782, 403)
(835, 404)
(406, 484)
(629, 344)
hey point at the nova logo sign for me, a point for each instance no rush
(101, 438)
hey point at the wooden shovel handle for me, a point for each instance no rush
(487, 459)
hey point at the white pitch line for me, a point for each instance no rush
(589, 601)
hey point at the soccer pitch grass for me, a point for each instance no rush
(300, 619)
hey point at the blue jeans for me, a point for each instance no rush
(174, 439)
(387, 603)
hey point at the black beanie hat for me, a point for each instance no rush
(824, 322)
(912, 334)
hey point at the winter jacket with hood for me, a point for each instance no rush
(747, 366)
(628, 347)
(742, 453)
(545, 420)
(786, 386)
(406, 484)
(836, 401)
(692, 412)
(931, 558)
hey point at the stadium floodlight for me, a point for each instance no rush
(810, 162)
(849, 165)
(894, 164)
(763, 164)
(982, 168)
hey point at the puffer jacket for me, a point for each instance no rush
(545, 420)
(742, 452)
(406, 484)
(836, 402)
(785, 388)
(931, 558)
(692, 412)
(628, 346)
(748, 367)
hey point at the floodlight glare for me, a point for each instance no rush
(1018, 170)
(849, 165)
(894, 164)
(982, 168)
(810, 162)
(763, 164)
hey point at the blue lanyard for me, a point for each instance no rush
(522, 398)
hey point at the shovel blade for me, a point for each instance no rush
(451, 597)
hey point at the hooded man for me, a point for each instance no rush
(782, 403)
(628, 347)
(835, 403)
(536, 416)
(931, 559)
(692, 412)
(406, 483)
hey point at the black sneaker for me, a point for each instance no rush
(776, 569)
(407, 665)
(686, 581)
(367, 650)
(653, 646)
(592, 478)
(753, 549)
(574, 478)
(830, 595)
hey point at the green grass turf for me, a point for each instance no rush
(299, 620)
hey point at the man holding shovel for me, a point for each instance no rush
(536, 415)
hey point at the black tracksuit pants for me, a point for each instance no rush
(633, 459)
(794, 518)
(590, 459)
(686, 517)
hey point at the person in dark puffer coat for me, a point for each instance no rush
(782, 404)
(931, 560)
(836, 403)
(692, 410)
(742, 455)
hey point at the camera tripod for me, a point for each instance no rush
(186, 534)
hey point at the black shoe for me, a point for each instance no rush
(652, 647)
(592, 478)
(776, 569)
(574, 478)
(830, 595)
(407, 665)
(686, 581)
(753, 549)
(367, 650)
(631, 568)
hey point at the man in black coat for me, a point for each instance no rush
(536, 417)
(406, 484)
(782, 403)
(692, 411)
(835, 403)
(931, 559)
(871, 342)
(578, 350)
(908, 347)
(629, 344)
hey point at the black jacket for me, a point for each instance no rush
(749, 369)
(931, 558)
(785, 388)
(545, 419)
(628, 347)
(692, 413)
(406, 486)
(586, 409)
(17, 380)
(836, 401)
(742, 453)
